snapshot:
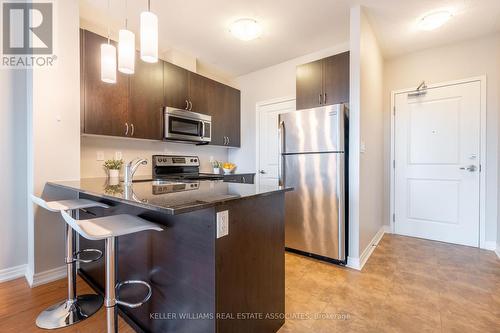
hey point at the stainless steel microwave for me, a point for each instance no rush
(182, 125)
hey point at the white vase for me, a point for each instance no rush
(217, 171)
(114, 173)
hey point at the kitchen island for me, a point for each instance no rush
(202, 280)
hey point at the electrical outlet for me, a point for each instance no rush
(100, 156)
(118, 155)
(222, 224)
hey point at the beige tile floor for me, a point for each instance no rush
(408, 285)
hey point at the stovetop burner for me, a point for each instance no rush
(174, 167)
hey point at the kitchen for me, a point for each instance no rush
(307, 221)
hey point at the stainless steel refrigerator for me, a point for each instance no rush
(313, 159)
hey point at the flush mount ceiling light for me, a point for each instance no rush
(246, 29)
(149, 35)
(434, 20)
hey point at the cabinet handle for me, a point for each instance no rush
(126, 130)
(228, 140)
(324, 99)
(243, 178)
(187, 105)
(132, 125)
(190, 105)
(319, 98)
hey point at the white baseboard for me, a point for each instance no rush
(12, 273)
(38, 279)
(489, 245)
(358, 263)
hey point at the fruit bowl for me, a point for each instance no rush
(228, 168)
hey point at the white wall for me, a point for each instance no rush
(13, 217)
(372, 136)
(266, 84)
(53, 137)
(366, 126)
(131, 148)
(462, 60)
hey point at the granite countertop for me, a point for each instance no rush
(193, 195)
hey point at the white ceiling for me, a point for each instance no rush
(291, 27)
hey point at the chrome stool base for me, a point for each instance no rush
(67, 313)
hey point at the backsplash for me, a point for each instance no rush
(91, 146)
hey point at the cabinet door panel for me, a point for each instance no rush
(175, 83)
(202, 93)
(232, 120)
(336, 78)
(309, 85)
(146, 100)
(105, 104)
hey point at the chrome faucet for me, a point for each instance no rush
(131, 168)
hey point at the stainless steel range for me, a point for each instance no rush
(175, 167)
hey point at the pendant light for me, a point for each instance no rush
(149, 36)
(108, 60)
(126, 48)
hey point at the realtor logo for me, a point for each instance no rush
(27, 36)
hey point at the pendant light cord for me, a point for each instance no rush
(126, 14)
(109, 28)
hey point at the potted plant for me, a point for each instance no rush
(113, 167)
(216, 166)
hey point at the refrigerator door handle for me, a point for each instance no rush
(341, 207)
(281, 146)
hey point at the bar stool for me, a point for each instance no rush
(107, 229)
(74, 308)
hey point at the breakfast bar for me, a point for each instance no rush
(218, 266)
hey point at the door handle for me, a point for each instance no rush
(126, 129)
(190, 105)
(132, 126)
(262, 172)
(319, 98)
(470, 168)
(187, 105)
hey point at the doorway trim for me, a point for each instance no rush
(258, 109)
(483, 244)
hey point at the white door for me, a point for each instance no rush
(437, 164)
(268, 152)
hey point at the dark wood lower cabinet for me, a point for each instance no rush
(200, 283)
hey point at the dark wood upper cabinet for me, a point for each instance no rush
(323, 82)
(133, 107)
(230, 108)
(105, 105)
(309, 85)
(336, 79)
(175, 84)
(146, 100)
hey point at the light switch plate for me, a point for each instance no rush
(222, 224)
(118, 155)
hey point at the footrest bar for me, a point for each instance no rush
(86, 261)
(133, 305)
